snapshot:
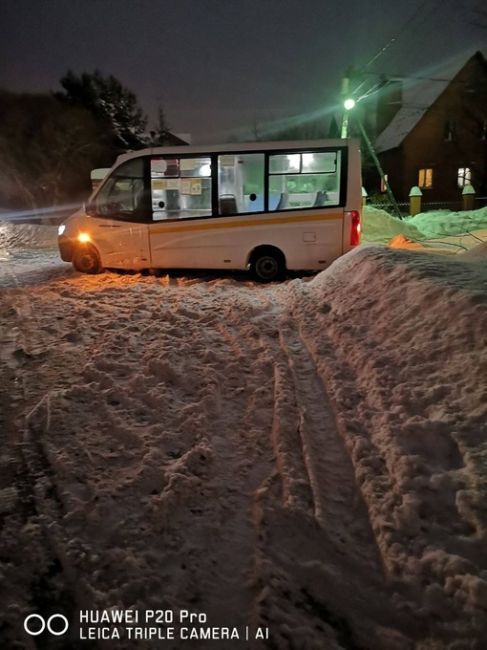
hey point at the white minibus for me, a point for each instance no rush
(265, 207)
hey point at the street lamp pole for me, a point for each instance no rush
(373, 155)
(345, 90)
(349, 103)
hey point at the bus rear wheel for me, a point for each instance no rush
(267, 265)
(87, 260)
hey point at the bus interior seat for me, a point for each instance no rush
(283, 201)
(321, 198)
(227, 204)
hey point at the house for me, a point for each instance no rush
(433, 133)
(167, 139)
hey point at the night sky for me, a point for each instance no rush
(218, 67)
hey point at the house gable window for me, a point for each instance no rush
(464, 176)
(425, 178)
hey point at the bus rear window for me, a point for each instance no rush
(304, 180)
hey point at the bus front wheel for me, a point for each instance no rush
(86, 260)
(267, 265)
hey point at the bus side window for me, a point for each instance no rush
(304, 180)
(180, 187)
(240, 183)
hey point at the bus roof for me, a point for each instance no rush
(237, 147)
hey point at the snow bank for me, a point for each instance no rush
(442, 231)
(399, 340)
(25, 235)
(441, 223)
(380, 227)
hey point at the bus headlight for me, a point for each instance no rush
(61, 229)
(83, 237)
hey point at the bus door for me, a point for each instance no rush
(180, 193)
(120, 228)
(122, 245)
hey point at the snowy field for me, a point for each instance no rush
(309, 456)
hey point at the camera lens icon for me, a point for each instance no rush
(35, 624)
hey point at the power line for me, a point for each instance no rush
(395, 77)
(387, 77)
(398, 33)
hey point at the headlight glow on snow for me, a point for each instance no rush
(83, 237)
(61, 229)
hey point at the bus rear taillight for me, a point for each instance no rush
(354, 227)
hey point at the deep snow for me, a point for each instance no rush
(441, 231)
(310, 455)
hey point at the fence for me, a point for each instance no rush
(468, 201)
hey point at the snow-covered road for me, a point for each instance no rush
(308, 456)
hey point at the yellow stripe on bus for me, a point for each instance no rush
(247, 222)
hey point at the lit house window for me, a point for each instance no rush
(464, 176)
(425, 179)
(384, 182)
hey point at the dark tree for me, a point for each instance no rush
(113, 105)
(47, 150)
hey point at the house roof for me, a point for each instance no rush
(418, 95)
(175, 139)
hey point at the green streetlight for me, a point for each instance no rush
(349, 103)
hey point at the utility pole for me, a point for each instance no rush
(349, 103)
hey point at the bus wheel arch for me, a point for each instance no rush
(86, 259)
(267, 263)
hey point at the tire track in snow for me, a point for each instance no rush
(296, 491)
(241, 449)
(338, 504)
(305, 420)
(320, 567)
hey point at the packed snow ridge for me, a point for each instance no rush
(311, 456)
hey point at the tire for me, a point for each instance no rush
(267, 266)
(86, 260)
